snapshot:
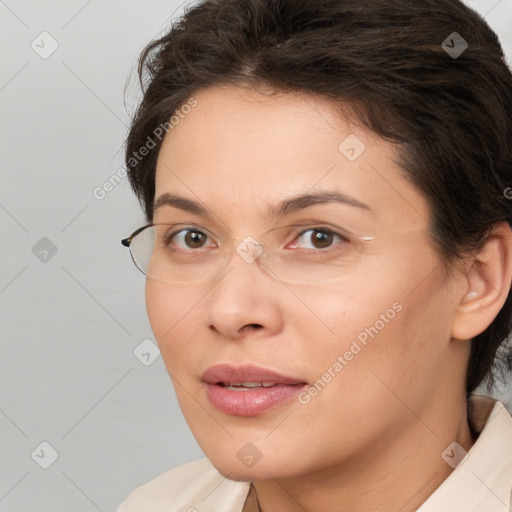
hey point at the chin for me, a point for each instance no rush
(234, 470)
(248, 464)
(240, 476)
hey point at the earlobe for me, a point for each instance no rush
(487, 284)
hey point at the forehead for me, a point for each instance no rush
(241, 151)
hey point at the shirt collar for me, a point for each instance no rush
(483, 479)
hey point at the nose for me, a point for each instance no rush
(244, 301)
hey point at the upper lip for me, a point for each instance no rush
(228, 374)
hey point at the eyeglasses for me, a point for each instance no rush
(302, 254)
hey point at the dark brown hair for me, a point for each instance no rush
(397, 64)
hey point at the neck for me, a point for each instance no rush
(396, 473)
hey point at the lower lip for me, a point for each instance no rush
(250, 402)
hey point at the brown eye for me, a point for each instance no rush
(195, 239)
(322, 239)
(316, 238)
(188, 239)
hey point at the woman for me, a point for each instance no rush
(329, 253)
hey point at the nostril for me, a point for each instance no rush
(245, 330)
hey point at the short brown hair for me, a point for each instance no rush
(450, 112)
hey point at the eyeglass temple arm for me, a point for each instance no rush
(127, 241)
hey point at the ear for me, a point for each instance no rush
(487, 283)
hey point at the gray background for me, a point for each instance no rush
(73, 372)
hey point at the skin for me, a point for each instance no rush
(372, 438)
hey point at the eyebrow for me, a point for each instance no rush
(303, 201)
(181, 203)
(285, 207)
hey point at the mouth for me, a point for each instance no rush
(246, 386)
(248, 390)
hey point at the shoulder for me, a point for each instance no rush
(187, 488)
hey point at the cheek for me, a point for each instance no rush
(172, 312)
(159, 307)
(328, 318)
(394, 321)
(382, 350)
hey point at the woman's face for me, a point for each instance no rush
(366, 345)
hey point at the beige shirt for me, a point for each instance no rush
(482, 482)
